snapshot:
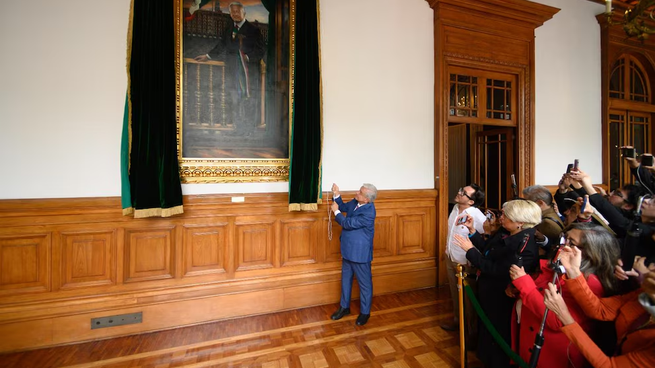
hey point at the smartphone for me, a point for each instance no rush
(462, 220)
(646, 159)
(519, 261)
(628, 152)
(569, 167)
(584, 204)
(489, 215)
(576, 162)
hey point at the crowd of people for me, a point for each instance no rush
(584, 255)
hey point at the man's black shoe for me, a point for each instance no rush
(362, 319)
(340, 313)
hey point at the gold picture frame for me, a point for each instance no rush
(234, 95)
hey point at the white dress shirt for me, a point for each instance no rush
(455, 253)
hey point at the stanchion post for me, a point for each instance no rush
(460, 296)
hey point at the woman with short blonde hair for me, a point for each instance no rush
(514, 243)
(525, 212)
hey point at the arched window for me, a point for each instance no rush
(630, 112)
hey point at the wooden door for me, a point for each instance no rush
(493, 162)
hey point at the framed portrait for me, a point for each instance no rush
(234, 89)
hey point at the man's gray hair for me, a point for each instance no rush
(538, 192)
(371, 191)
(236, 3)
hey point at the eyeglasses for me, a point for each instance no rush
(463, 193)
(565, 239)
(618, 193)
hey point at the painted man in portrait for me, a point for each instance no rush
(241, 46)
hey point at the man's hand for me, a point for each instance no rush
(584, 179)
(335, 190)
(335, 207)
(631, 161)
(588, 210)
(600, 191)
(201, 58)
(564, 183)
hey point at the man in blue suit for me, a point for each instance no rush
(356, 248)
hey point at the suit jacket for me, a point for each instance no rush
(249, 39)
(357, 232)
(551, 226)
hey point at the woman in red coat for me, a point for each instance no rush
(601, 251)
(635, 326)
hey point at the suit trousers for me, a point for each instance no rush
(364, 279)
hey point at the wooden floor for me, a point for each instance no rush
(403, 331)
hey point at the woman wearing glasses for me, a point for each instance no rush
(514, 243)
(600, 252)
(635, 326)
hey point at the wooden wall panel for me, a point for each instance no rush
(65, 261)
(383, 241)
(332, 248)
(299, 241)
(204, 250)
(24, 264)
(255, 245)
(149, 255)
(88, 259)
(412, 234)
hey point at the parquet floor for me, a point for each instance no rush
(403, 331)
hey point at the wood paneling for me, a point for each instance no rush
(148, 255)
(255, 245)
(24, 264)
(299, 241)
(412, 233)
(65, 261)
(204, 250)
(490, 36)
(88, 259)
(383, 241)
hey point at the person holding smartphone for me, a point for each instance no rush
(635, 330)
(601, 251)
(641, 171)
(513, 243)
(467, 199)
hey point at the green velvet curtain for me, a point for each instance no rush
(154, 181)
(307, 128)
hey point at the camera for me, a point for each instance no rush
(646, 159)
(628, 152)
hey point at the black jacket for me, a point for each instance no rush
(494, 258)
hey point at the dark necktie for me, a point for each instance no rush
(235, 30)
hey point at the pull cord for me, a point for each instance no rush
(329, 210)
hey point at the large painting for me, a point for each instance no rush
(234, 99)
